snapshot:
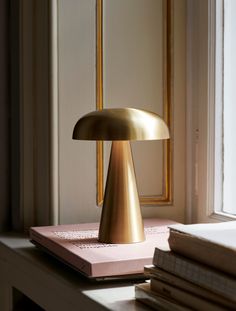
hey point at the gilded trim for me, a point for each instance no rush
(167, 188)
(99, 97)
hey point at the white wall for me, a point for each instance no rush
(77, 96)
(133, 75)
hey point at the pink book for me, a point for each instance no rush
(78, 246)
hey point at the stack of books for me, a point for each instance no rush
(197, 272)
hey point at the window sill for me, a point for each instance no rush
(218, 217)
(52, 285)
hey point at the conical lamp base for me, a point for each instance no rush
(121, 220)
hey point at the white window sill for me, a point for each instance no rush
(52, 285)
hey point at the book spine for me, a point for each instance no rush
(196, 273)
(157, 302)
(155, 273)
(183, 297)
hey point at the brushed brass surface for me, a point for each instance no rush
(121, 124)
(121, 220)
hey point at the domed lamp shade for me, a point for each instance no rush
(121, 219)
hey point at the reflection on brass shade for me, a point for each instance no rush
(121, 220)
(121, 124)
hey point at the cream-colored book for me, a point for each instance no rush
(213, 244)
(144, 294)
(196, 273)
(159, 274)
(181, 296)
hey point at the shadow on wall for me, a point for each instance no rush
(4, 115)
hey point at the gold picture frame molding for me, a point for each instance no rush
(166, 197)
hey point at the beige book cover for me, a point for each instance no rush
(213, 244)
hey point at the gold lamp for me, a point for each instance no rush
(121, 220)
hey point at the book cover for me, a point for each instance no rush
(181, 296)
(78, 246)
(144, 294)
(196, 273)
(158, 274)
(212, 244)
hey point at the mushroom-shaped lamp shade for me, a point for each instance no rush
(120, 124)
(121, 220)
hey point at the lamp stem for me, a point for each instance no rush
(121, 220)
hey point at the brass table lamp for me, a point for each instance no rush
(121, 220)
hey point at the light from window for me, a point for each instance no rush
(226, 132)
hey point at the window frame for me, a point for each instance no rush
(203, 99)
